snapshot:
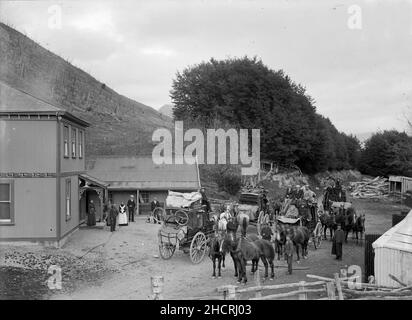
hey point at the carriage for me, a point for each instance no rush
(188, 230)
(314, 226)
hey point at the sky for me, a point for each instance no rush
(354, 57)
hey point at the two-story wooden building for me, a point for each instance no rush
(41, 158)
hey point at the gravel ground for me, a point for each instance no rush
(97, 264)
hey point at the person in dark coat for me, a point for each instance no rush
(338, 239)
(112, 218)
(289, 253)
(91, 215)
(131, 207)
(205, 201)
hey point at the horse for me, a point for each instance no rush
(216, 253)
(328, 222)
(248, 248)
(300, 237)
(359, 227)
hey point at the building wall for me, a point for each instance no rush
(28, 146)
(70, 164)
(124, 195)
(34, 210)
(68, 225)
(395, 262)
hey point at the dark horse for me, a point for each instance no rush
(328, 222)
(246, 249)
(216, 253)
(300, 237)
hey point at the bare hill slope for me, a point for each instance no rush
(119, 125)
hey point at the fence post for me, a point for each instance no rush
(302, 296)
(229, 292)
(157, 287)
(338, 286)
(330, 289)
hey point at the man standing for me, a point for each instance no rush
(153, 205)
(338, 239)
(289, 252)
(205, 201)
(112, 218)
(131, 206)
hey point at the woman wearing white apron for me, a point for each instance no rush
(123, 215)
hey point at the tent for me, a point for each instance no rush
(393, 254)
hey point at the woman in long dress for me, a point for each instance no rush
(123, 221)
(91, 215)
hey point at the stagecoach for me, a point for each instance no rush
(186, 228)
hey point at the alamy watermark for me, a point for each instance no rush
(173, 151)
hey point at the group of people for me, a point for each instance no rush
(113, 215)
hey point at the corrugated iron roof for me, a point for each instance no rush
(142, 173)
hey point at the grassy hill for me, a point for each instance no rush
(119, 125)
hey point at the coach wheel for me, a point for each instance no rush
(158, 214)
(198, 247)
(181, 217)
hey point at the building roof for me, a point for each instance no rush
(399, 237)
(16, 101)
(140, 172)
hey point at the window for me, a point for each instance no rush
(80, 144)
(74, 133)
(68, 199)
(144, 196)
(6, 202)
(66, 141)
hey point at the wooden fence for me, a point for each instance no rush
(299, 290)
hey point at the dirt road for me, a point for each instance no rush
(103, 265)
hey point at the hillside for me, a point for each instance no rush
(119, 125)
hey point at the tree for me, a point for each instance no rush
(389, 152)
(245, 93)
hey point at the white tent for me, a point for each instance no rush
(393, 254)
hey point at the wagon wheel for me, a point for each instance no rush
(182, 218)
(198, 247)
(166, 249)
(158, 214)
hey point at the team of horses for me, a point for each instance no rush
(249, 247)
(245, 247)
(347, 218)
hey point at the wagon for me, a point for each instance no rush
(315, 227)
(188, 230)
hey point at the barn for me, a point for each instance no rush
(393, 254)
(140, 176)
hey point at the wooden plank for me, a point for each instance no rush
(288, 294)
(280, 286)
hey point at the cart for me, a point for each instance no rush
(188, 230)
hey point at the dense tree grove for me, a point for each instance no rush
(389, 152)
(245, 93)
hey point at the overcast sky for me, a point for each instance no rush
(360, 78)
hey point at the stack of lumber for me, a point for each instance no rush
(375, 188)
